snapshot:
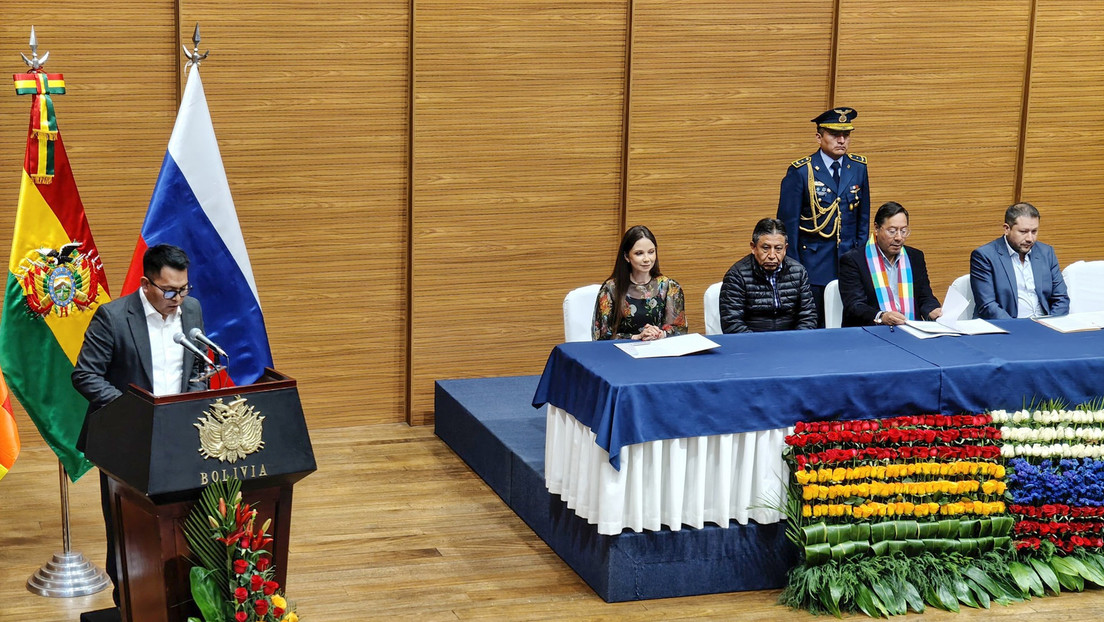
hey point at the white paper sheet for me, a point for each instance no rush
(668, 346)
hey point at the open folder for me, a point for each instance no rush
(945, 326)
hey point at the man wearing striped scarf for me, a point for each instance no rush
(884, 281)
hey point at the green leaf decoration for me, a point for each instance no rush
(1026, 578)
(869, 602)
(985, 528)
(963, 593)
(980, 595)
(892, 599)
(906, 529)
(914, 547)
(814, 534)
(968, 528)
(1046, 573)
(839, 533)
(929, 530)
(881, 549)
(206, 594)
(212, 555)
(883, 531)
(860, 532)
(1072, 583)
(831, 597)
(948, 528)
(946, 597)
(912, 597)
(1001, 525)
(818, 554)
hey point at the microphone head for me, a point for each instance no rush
(179, 338)
(195, 333)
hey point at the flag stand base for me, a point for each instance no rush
(67, 575)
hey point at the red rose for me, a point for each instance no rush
(260, 606)
(241, 616)
(240, 566)
(262, 563)
(241, 594)
(276, 611)
(799, 427)
(270, 587)
(255, 582)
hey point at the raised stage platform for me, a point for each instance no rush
(492, 425)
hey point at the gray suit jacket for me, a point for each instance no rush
(116, 352)
(994, 282)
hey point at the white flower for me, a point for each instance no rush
(1008, 451)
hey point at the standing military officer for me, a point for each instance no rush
(825, 199)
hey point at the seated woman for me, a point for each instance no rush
(637, 301)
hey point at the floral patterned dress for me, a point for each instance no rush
(659, 302)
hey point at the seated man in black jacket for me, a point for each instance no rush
(886, 282)
(766, 290)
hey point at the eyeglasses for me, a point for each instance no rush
(170, 294)
(893, 231)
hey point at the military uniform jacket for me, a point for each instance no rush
(813, 237)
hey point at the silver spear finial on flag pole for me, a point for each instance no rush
(194, 57)
(34, 62)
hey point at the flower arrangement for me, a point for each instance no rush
(234, 579)
(893, 514)
(1056, 488)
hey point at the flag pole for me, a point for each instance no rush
(68, 573)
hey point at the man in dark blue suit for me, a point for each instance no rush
(825, 202)
(1015, 275)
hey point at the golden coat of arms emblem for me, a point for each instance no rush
(229, 432)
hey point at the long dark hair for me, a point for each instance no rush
(622, 270)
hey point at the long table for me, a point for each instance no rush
(646, 443)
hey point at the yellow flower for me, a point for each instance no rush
(278, 601)
(839, 474)
(989, 487)
(290, 617)
(803, 477)
(806, 510)
(998, 471)
(809, 493)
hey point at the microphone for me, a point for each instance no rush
(191, 347)
(197, 335)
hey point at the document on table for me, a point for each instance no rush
(941, 328)
(668, 346)
(1074, 322)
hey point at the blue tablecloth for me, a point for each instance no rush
(765, 381)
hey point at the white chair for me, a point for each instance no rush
(833, 306)
(1085, 284)
(959, 294)
(578, 308)
(713, 309)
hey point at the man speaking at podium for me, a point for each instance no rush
(134, 340)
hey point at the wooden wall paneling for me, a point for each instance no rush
(1064, 156)
(115, 116)
(516, 179)
(309, 102)
(938, 87)
(721, 98)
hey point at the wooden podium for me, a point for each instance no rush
(151, 451)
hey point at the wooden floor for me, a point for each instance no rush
(394, 525)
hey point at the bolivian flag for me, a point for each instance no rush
(55, 282)
(9, 436)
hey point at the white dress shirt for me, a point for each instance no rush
(166, 355)
(1027, 301)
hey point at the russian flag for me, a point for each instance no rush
(192, 208)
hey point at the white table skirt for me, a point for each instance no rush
(684, 481)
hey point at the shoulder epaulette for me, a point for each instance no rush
(801, 162)
(856, 157)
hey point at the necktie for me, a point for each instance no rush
(835, 173)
